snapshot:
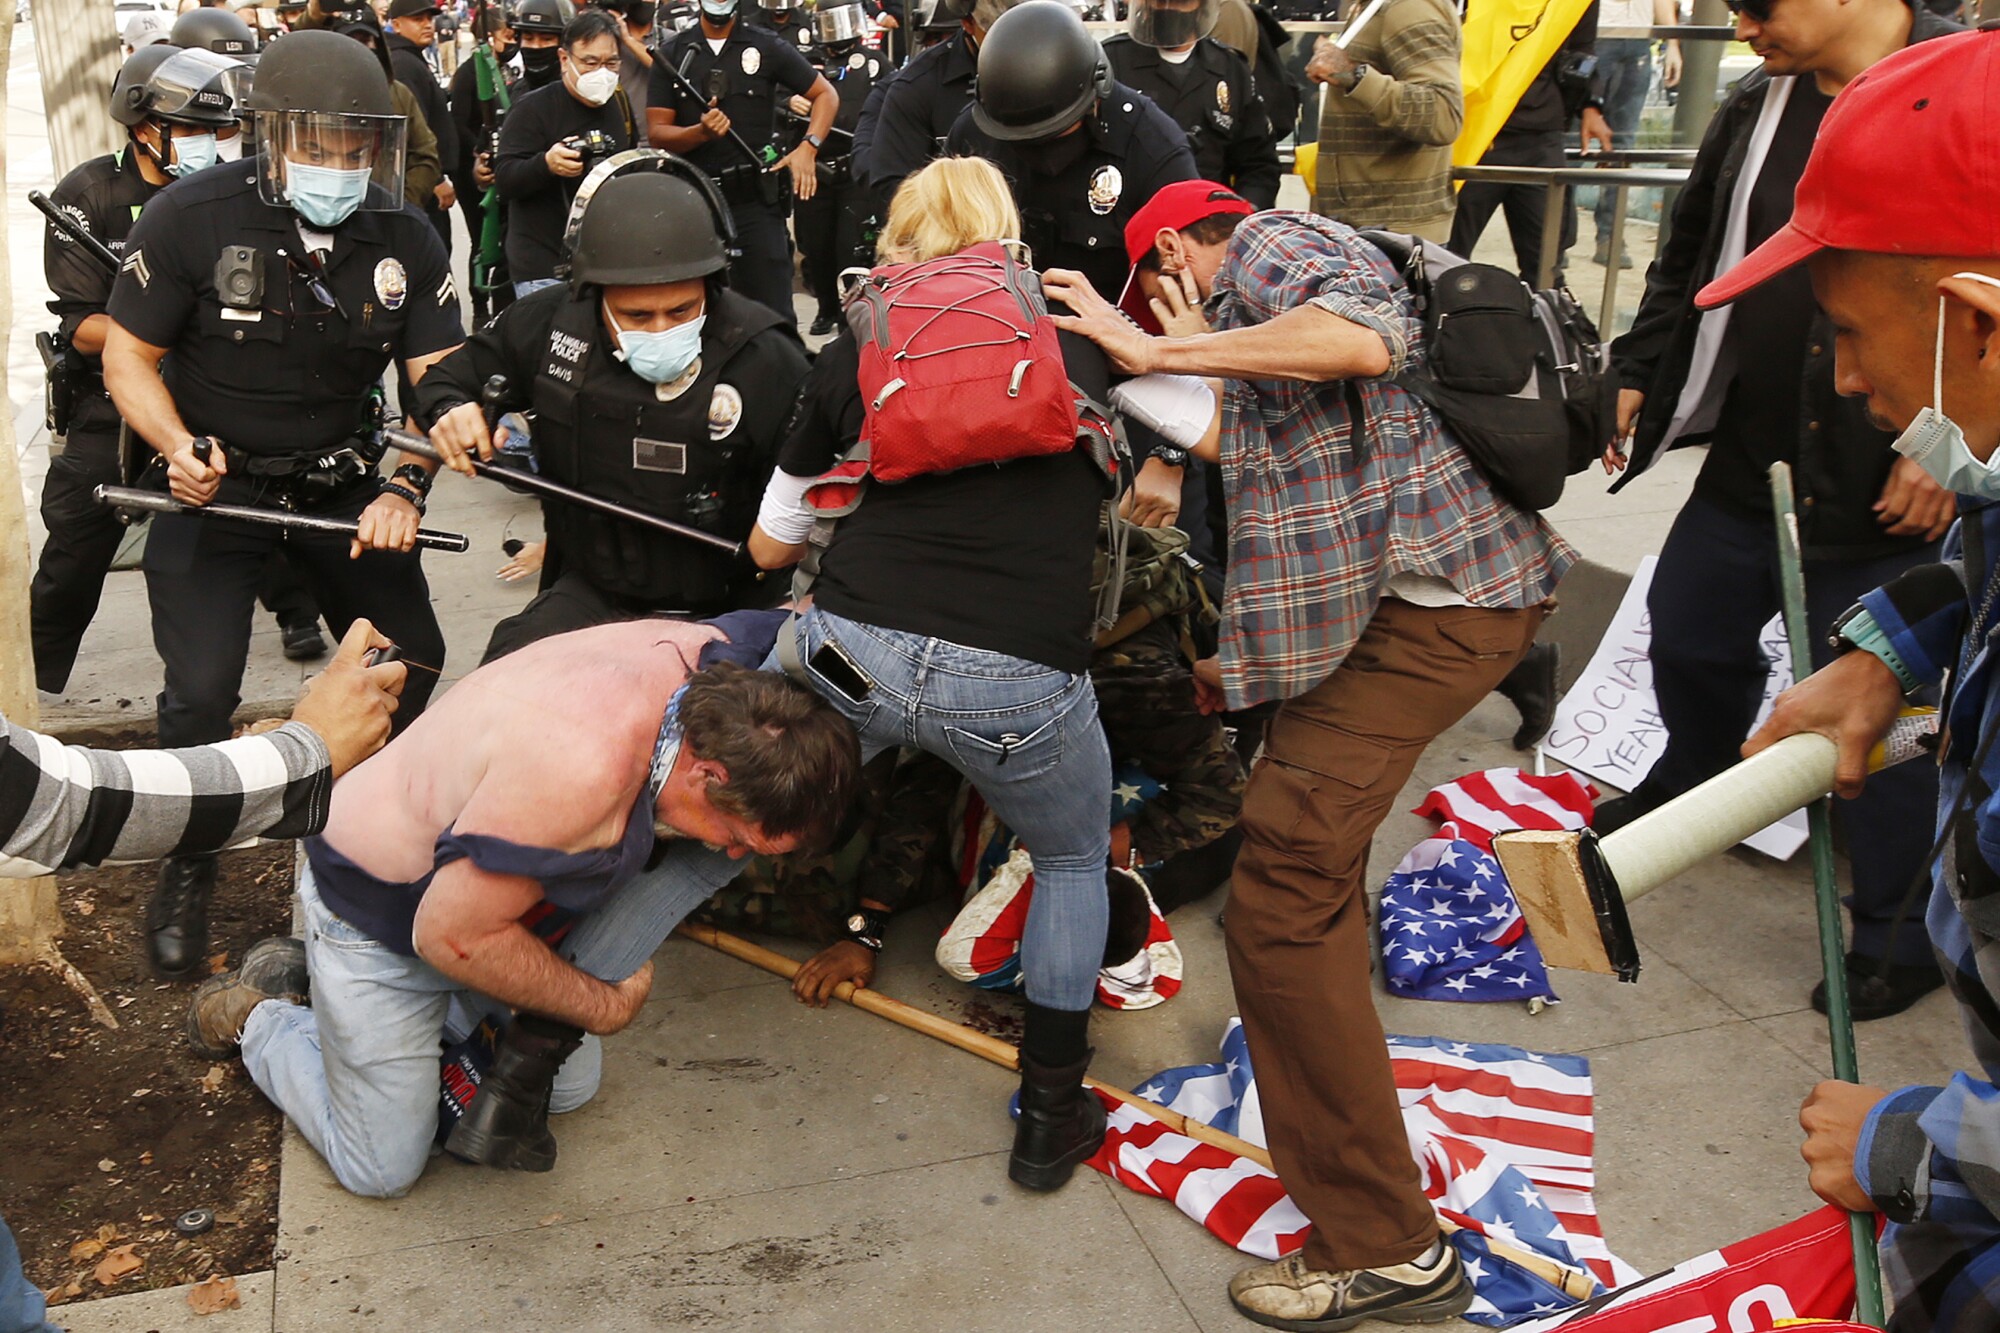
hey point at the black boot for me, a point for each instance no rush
(507, 1124)
(1531, 688)
(177, 917)
(1062, 1122)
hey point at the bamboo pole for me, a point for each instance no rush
(1569, 1280)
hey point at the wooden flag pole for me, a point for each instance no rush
(1570, 1281)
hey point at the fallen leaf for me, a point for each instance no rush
(140, 1092)
(121, 1262)
(108, 1232)
(85, 908)
(67, 1291)
(260, 1165)
(86, 1249)
(146, 1158)
(106, 1164)
(216, 1294)
(218, 963)
(127, 1000)
(550, 1220)
(212, 1081)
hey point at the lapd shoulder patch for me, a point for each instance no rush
(725, 410)
(74, 214)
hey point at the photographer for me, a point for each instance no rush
(554, 135)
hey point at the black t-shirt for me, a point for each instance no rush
(537, 199)
(990, 557)
(1769, 331)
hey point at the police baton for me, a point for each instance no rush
(411, 443)
(687, 86)
(72, 230)
(125, 497)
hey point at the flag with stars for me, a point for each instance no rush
(1502, 1135)
(1450, 927)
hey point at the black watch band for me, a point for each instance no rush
(866, 927)
(1170, 454)
(415, 478)
(398, 488)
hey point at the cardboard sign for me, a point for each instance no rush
(1608, 726)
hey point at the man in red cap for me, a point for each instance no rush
(1897, 217)
(1377, 589)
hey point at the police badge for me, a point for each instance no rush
(392, 284)
(856, 61)
(1222, 96)
(725, 410)
(1106, 185)
(753, 60)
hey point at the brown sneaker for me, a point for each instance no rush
(273, 969)
(1289, 1295)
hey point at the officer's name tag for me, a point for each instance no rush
(659, 456)
(245, 316)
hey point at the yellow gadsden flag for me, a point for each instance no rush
(1506, 44)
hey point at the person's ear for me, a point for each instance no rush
(709, 773)
(1981, 293)
(1173, 253)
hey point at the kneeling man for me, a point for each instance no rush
(495, 857)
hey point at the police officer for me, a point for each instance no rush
(215, 30)
(933, 26)
(1082, 151)
(552, 136)
(1166, 53)
(790, 22)
(538, 26)
(714, 101)
(283, 287)
(831, 224)
(652, 384)
(928, 96)
(172, 104)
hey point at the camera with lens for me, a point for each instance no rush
(591, 145)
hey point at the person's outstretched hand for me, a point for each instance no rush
(349, 703)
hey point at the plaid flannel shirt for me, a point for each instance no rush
(1335, 488)
(64, 805)
(1930, 1156)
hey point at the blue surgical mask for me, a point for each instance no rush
(325, 196)
(718, 12)
(658, 358)
(1934, 442)
(192, 154)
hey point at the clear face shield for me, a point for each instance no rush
(327, 166)
(1172, 24)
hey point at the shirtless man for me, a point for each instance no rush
(493, 858)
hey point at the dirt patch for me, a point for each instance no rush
(108, 1137)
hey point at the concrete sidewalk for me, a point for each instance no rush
(753, 1164)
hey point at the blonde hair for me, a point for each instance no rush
(952, 203)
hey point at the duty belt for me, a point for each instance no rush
(309, 481)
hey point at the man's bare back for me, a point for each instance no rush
(548, 747)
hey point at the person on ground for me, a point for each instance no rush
(1406, 590)
(1913, 293)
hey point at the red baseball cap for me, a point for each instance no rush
(1904, 165)
(1174, 207)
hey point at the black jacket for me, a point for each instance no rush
(537, 199)
(406, 58)
(1843, 460)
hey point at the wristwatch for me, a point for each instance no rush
(1352, 79)
(818, 141)
(866, 927)
(415, 478)
(1170, 454)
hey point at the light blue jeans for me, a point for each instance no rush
(21, 1307)
(357, 1072)
(1027, 737)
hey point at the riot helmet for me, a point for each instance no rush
(550, 16)
(644, 216)
(215, 30)
(331, 140)
(163, 82)
(1040, 72)
(1172, 24)
(840, 24)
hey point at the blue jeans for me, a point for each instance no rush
(358, 1071)
(1626, 66)
(21, 1307)
(1026, 736)
(529, 286)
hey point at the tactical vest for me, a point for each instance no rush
(689, 459)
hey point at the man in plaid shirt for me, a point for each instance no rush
(1379, 589)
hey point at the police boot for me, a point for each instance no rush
(1062, 1122)
(177, 917)
(507, 1124)
(1531, 688)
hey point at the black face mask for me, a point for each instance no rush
(541, 64)
(1172, 29)
(1052, 157)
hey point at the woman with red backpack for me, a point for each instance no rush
(952, 609)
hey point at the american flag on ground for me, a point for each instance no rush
(1503, 1137)
(1450, 928)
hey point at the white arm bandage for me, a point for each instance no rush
(783, 514)
(1179, 407)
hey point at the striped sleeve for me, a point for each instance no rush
(65, 805)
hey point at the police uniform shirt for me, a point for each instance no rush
(854, 78)
(758, 67)
(1075, 217)
(103, 196)
(537, 199)
(796, 29)
(284, 371)
(1213, 96)
(918, 111)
